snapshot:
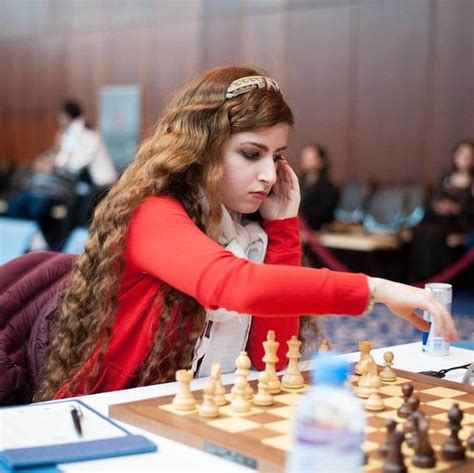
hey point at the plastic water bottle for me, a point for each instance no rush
(329, 423)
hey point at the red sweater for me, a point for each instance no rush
(164, 245)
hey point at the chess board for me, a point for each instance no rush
(260, 438)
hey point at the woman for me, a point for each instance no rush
(172, 270)
(318, 194)
(450, 211)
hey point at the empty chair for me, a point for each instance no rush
(385, 210)
(352, 201)
(413, 208)
(76, 241)
(16, 237)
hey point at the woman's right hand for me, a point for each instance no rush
(403, 300)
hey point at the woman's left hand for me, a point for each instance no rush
(284, 198)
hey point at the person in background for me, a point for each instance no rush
(450, 211)
(78, 154)
(318, 195)
(82, 149)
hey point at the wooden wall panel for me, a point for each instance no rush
(387, 85)
(319, 78)
(391, 89)
(86, 70)
(179, 55)
(221, 33)
(17, 18)
(50, 65)
(453, 96)
(264, 43)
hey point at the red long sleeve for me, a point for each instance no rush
(165, 243)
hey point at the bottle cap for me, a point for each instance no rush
(329, 369)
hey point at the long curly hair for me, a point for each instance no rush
(181, 158)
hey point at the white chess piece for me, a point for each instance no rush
(240, 403)
(219, 391)
(243, 364)
(293, 378)
(209, 408)
(364, 346)
(263, 397)
(388, 374)
(271, 359)
(184, 399)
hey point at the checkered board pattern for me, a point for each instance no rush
(262, 436)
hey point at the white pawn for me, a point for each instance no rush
(388, 374)
(219, 391)
(374, 402)
(208, 408)
(184, 399)
(271, 359)
(240, 403)
(293, 377)
(263, 397)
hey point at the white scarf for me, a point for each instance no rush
(226, 332)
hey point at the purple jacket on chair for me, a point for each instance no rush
(30, 289)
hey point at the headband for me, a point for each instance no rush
(245, 84)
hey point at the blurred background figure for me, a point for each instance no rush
(76, 170)
(81, 149)
(318, 195)
(451, 211)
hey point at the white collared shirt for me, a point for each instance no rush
(82, 148)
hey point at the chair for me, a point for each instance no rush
(413, 208)
(16, 237)
(76, 241)
(30, 288)
(385, 211)
(351, 205)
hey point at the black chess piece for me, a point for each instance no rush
(424, 456)
(470, 441)
(404, 410)
(390, 425)
(413, 404)
(412, 441)
(453, 448)
(394, 462)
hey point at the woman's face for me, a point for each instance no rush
(249, 167)
(310, 159)
(463, 158)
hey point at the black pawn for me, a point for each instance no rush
(390, 425)
(413, 403)
(394, 462)
(453, 448)
(424, 456)
(404, 410)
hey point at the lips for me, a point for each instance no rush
(261, 195)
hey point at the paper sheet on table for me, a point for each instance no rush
(37, 425)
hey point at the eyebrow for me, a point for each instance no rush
(262, 146)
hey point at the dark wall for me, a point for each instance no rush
(387, 85)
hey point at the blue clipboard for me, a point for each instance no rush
(82, 450)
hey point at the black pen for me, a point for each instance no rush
(76, 415)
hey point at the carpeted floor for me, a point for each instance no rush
(385, 329)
